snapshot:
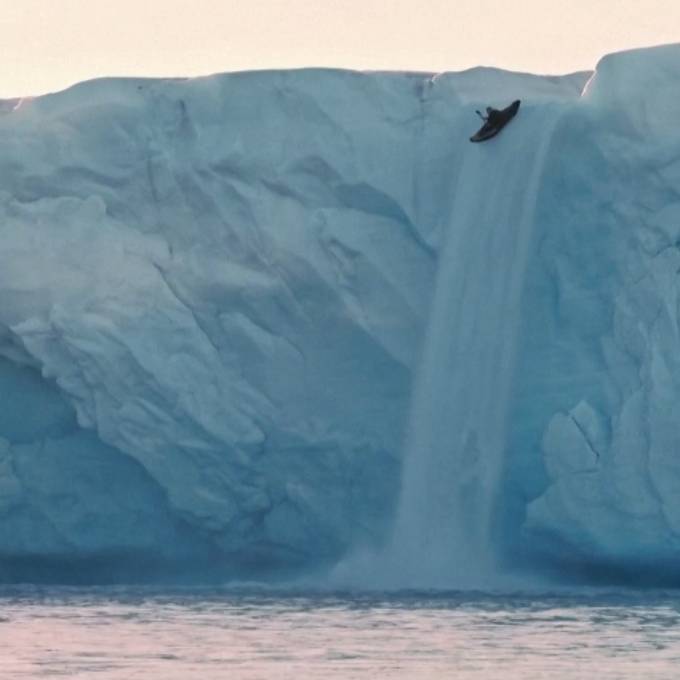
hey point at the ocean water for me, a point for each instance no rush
(199, 634)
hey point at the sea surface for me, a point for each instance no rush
(210, 634)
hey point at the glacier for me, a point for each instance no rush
(254, 324)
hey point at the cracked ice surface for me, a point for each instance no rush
(604, 290)
(221, 278)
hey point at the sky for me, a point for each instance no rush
(50, 44)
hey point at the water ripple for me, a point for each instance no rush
(122, 634)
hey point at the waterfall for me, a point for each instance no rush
(458, 421)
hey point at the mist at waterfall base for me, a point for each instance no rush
(293, 326)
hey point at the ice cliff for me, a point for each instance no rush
(254, 322)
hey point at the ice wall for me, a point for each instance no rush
(220, 283)
(598, 398)
(214, 299)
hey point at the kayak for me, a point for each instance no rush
(500, 120)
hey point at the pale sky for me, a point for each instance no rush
(47, 45)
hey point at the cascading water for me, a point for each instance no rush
(458, 422)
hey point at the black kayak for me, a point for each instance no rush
(498, 120)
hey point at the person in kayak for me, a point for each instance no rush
(494, 121)
(493, 116)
